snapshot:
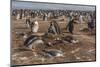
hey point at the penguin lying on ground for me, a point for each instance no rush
(70, 39)
(53, 53)
(33, 40)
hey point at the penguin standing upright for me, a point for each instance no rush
(29, 24)
(44, 17)
(81, 21)
(70, 26)
(57, 27)
(54, 28)
(35, 27)
(18, 16)
(32, 14)
(21, 12)
(90, 22)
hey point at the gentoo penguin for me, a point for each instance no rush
(23, 15)
(44, 17)
(18, 16)
(54, 28)
(70, 39)
(29, 24)
(81, 21)
(53, 52)
(90, 23)
(35, 27)
(70, 26)
(33, 41)
(57, 27)
(21, 12)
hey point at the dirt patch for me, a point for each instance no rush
(84, 50)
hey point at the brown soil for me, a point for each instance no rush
(82, 51)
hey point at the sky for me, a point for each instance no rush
(34, 5)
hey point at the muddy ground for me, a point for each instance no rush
(84, 50)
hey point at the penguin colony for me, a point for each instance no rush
(36, 42)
